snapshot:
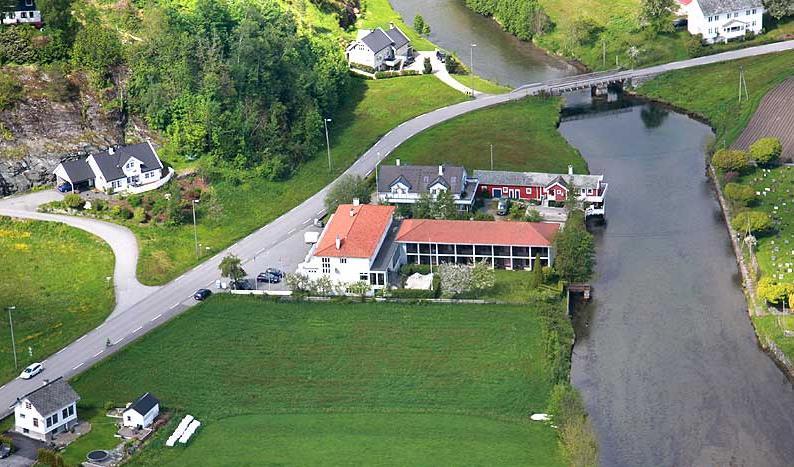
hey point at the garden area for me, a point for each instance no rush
(56, 277)
(321, 380)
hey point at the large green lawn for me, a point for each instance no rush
(374, 108)
(712, 90)
(339, 383)
(55, 277)
(523, 133)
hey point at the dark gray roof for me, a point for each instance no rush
(713, 7)
(144, 404)
(21, 6)
(110, 164)
(51, 397)
(421, 177)
(377, 40)
(500, 177)
(78, 170)
(397, 37)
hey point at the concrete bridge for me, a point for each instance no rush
(600, 80)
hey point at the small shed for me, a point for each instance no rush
(142, 412)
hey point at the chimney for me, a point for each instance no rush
(338, 242)
(570, 170)
(352, 212)
(440, 170)
(398, 162)
(111, 150)
(356, 202)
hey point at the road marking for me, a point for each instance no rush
(137, 329)
(1, 387)
(260, 251)
(178, 279)
(98, 353)
(118, 341)
(291, 232)
(306, 221)
(368, 173)
(78, 340)
(320, 212)
(78, 366)
(174, 306)
(56, 353)
(156, 317)
(100, 326)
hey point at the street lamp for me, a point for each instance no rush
(195, 231)
(13, 344)
(327, 141)
(471, 57)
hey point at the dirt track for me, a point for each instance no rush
(774, 117)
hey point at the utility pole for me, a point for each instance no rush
(471, 57)
(13, 343)
(604, 53)
(327, 142)
(742, 85)
(491, 156)
(195, 229)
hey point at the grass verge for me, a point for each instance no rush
(55, 277)
(457, 381)
(523, 133)
(481, 84)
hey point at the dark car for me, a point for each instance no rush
(680, 23)
(65, 187)
(5, 451)
(202, 294)
(268, 277)
(241, 284)
(503, 207)
(275, 272)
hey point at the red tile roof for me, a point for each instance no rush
(477, 232)
(359, 229)
(685, 2)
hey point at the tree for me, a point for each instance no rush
(96, 49)
(444, 206)
(73, 201)
(766, 151)
(10, 90)
(738, 194)
(423, 208)
(232, 268)
(754, 221)
(428, 66)
(582, 31)
(420, 26)
(360, 288)
(730, 159)
(453, 65)
(455, 279)
(323, 285)
(298, 283)
(574, 258)
(779, 8)
(774, 292)
(533, 215)
(483, 276)
(347, 188)
(658, 14)
(536, 279)
(694, 45)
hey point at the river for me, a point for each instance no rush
(666, 357)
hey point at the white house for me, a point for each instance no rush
(142, 412)
(25, 12)
(47, 411)
(723, 20)
(379, 49)
(356, 245)
(405, 184)
(116, 169)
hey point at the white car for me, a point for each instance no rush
(32, 370)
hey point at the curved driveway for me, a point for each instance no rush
(155, 306)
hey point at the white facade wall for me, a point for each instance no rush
(32, 424)
(133, 419)
(725, 25)
(131, 169)
(21, 17)
(361, 54)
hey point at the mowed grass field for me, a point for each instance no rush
(374, 108)
(340, 383)
(55, 277)
(523, 133)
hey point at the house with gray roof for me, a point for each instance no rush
(118, 168)
(724, 20)
(379, 49)
(25, 12)
(43, 413)
(405, 184)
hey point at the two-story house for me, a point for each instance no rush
(405, 184)
(25, 12)
(356, 245)
(115, 169)
(723, 20)
(379, 49)
(47, 411)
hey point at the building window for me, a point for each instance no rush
(326, 265)
(28, 406)
(753, 23)
(36, 422)
(363, 276)
(71, 410)
(343, 260)
(21, 415)
(49, 422)
(753, 10)
(54, 418)
(65, 413)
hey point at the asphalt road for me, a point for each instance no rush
(153, 309)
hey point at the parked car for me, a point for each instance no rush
(202, 294)
(268, 277)
(680, 23)
(503, 207)
(32, 370)
(319, 223)
(241, 284)
(65, 187)
(275, 272)
(5, 450)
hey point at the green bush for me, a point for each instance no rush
(74, 201)
(577, 433)
(408, 269)
(362, 67)
(139, 215)
(738, 194)
(756, 221)
(427, 66)
(109, 405)
(96, 49)
(10, 90)
(454, 66)
(766, 150)
(121, 212)
(411, 293)
(694, 45)
(135, 200)
(730, 160)
(99, 205)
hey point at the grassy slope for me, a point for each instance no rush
(55, 276)
(374, 108)
(481, 84)
(524, 135)
(462, 379)
(380, 13)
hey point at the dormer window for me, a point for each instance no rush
(28, 2)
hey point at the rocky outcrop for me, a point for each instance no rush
(346, 10)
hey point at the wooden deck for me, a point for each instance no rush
(774, 117)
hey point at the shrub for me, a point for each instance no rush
(730, 160)
(766, 150)
(413, 293)
(730, 176)
(139, 215)
(10, 90)
(74, 201)
(582, 31)
(428, 66)
(482, 277)
(420, 26)
(408, 269)
(533, 216)
(100, 205)
(120, 212)
(694, 45)
(96, 49)
(773, 292)
(135, 200)
(738, 194)
(755, 221)
(453, 66)
(362, 67)
(109, 405)
(575, 251)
